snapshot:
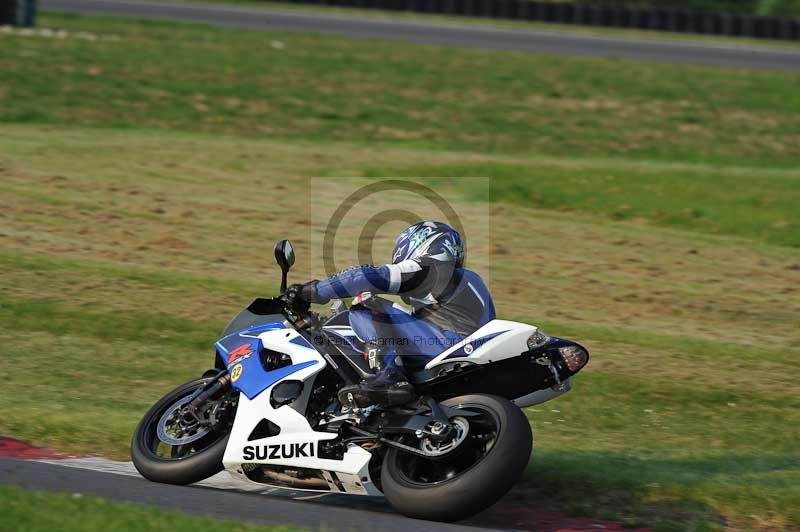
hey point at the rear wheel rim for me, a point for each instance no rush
(484, 430)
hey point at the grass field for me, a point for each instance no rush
(149, 153)
(321, 89)
(77, 513)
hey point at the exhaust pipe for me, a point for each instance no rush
(286, 477)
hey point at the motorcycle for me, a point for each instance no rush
(268, 411)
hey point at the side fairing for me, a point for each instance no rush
(495, 341)
(295, 444)
(240, 354)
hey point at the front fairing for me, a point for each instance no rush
(240, 348)
(240, 353)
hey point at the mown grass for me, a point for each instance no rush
(165, 75)
(126, 244)
(38, 511)
(733, 201)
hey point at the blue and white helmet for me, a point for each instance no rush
(436, 240)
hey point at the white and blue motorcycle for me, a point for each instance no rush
(269, 412)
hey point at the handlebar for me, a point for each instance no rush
(297, 311)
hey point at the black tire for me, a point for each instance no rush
(477, 487)
(194, 468)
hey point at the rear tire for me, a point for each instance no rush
(187, 470)
(474, 489)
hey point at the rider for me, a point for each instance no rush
(448, 303)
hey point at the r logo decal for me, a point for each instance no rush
(243, 351)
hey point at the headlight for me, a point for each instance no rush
(574, 357)
(537, 339)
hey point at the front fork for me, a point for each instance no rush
(220, 382)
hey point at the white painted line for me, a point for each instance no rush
(222, 480)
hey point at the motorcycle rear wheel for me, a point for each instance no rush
(181, 463)
(480, 471)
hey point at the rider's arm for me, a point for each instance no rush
(398, 278)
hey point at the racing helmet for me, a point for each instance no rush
(436, 240)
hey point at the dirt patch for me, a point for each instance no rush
(169, 242)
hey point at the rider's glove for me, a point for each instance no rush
(294, 299)
(305, 292)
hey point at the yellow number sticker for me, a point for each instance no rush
(236, 372)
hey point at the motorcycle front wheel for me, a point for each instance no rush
(483, 467)
(168, 447)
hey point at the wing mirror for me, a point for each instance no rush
(284, 256)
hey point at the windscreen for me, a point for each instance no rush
(258, 312)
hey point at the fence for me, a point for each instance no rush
(660, 19)
(18, 12)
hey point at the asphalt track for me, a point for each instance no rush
(211, 502)
(223, 496)
(450, 34)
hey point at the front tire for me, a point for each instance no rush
(425, 489)
(176, 464)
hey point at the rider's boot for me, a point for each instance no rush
(390, 387)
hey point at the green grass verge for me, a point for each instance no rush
(259, 84)
(41, 511)
(749, 203)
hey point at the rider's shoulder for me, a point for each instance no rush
(470, 275)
